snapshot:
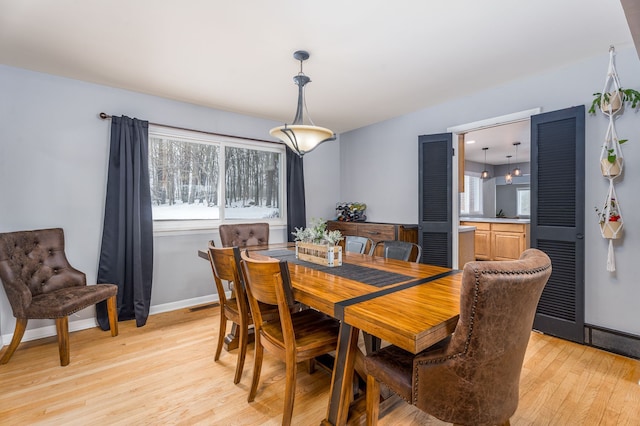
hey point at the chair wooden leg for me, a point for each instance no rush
(221, 333)
(62, 328)
(311, 365)
(242, 352)
(289, 391)
(21, 325)
(371, 343)
(257, 367)
(112, 311)
(373, 401)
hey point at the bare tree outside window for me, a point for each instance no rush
(186, 180)
(252, 182)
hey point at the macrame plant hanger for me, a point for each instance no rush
(611, 161)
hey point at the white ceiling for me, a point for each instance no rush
(499, 140)
(370, 59)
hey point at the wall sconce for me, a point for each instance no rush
(516, 171)
(508, 178)
(485, 173)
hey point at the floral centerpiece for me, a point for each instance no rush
(316, 244)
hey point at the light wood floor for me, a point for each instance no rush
(164, 373)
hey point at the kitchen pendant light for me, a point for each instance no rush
(516, 171)
(485, 173)
(508, 178)
(299, 137)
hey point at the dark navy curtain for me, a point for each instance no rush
(296, 211)
(126, 257)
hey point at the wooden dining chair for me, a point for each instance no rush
(473, 377)
(401, 250)
(225, 263)
(295, 337)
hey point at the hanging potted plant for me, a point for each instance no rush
(610, 220)
(611, 163)
(611, 103)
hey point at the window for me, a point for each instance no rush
(200, 177)
(471, 198)
(524, 201)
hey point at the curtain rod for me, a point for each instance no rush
(106, 116)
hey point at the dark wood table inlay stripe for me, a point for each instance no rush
(370, 276)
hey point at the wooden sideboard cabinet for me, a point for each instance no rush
(376, 231)
(499, 240)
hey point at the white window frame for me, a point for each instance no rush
(222, 142)
(480, 189)
(519, 191)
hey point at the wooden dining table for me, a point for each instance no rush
(410, 305)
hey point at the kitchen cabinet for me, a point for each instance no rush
(500, 240)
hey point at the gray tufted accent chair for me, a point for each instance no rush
(471, 378)
(41, 284)
(244, 234)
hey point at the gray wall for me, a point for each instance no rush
(53, 153)
(379, 167)
(53, 167)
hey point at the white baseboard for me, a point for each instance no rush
(83, 324)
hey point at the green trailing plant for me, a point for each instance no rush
(611, 152)
(626, 95)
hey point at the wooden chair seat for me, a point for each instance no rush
(315, 335)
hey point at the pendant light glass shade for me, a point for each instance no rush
(508, 178)
(302, 138)
(485, 173)
(299, 137)
(516, 171)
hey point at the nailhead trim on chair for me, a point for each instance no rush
(467, 342)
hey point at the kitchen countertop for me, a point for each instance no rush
(493, 220)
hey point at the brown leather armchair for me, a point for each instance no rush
(244, 234)
(40, 284)
(473, 377)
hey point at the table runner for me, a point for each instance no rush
(370, 276)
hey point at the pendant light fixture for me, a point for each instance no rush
(485, 173)
(516, 171)
(508, 178)
(299, 137)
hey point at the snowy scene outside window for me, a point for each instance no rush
(200, 179)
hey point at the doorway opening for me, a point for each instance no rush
(494, 158)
